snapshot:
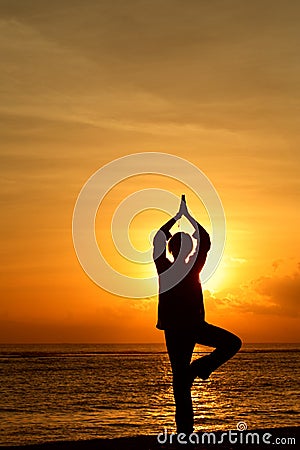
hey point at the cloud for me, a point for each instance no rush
(275, 295)
(200, 67)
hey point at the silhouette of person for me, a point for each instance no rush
(181, 313)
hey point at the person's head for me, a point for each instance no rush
(180, 242)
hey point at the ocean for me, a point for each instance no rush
(73, 391)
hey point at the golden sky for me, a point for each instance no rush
(83, 83)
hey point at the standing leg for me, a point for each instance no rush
(180, 347)
(226, 345)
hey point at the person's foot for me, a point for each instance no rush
(199, 369)
(186, 431)
(203, 373)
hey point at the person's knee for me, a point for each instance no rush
(236, 343)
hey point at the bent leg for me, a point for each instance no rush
(226, 346)
(180, 347)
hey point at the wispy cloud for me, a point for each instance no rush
(274, 295)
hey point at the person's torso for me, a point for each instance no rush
(181, 306)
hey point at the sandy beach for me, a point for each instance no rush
(284, 437)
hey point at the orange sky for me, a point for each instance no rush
(83, 83)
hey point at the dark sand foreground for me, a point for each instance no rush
(272, 438)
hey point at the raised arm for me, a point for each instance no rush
(202, 237)
(160, 240)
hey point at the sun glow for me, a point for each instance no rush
(188, 89)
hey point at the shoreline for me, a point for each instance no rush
(281, 437)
